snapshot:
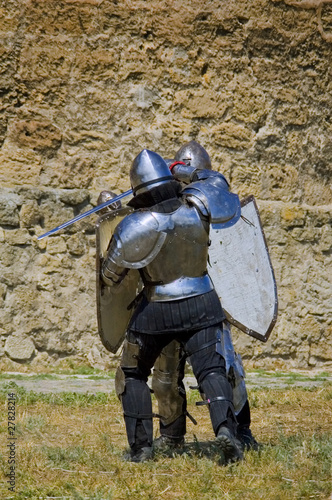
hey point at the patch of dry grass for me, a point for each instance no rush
(71, 446)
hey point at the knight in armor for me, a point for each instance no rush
(168, 373)
(166, 238)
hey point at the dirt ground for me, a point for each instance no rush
(90, 384)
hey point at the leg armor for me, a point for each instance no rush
(236, 375)
(167, 385)
(234, 368)
(134, 393)
(210, 371)
(243, 417)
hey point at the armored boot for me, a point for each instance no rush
(247, 439)
(168, 443)
(229, 444)
(171, 435)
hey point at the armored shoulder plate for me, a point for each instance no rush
(136, 240)
(211, 196)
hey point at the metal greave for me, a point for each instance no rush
(218, 395)
(137, 410)
(209, 368)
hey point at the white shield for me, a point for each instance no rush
(113, 303)
(242, 273)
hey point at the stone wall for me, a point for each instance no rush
(86, 84)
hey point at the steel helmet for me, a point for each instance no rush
(194, 155)
(148, 170)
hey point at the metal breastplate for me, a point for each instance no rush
(179, 269)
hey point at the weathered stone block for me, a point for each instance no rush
(9, 209)
(86, 84)
(19, 348)
(30, 215)
(39, 136)
(72, 17)
(200, 103)
(17, 237)
(292, 216)
(77, 244)
(250, 103)
(56, 245)
(24, 168)
(74, 197)
(231, 135)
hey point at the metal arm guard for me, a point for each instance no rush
(209, 192)
(187, 174)
(211, 196)
(111, 273)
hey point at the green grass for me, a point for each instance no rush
(291, 376)
(72, 445)
(61, 399)
(95, 374)
(291, 469)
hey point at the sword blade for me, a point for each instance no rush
(86, 214)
